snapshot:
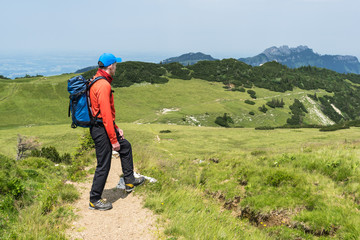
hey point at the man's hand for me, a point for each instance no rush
(121, 133)
(116, 146)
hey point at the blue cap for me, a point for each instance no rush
(107, 59)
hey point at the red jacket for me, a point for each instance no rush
(102, 99)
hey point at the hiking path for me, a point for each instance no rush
(128, 219)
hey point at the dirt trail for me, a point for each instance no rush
(127, 220)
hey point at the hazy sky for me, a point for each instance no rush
(159, 29)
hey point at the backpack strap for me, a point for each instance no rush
(93, 120)
(93, 81)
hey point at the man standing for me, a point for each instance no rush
(107, 135)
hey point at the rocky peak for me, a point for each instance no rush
(304, 56)
(284, 51)
(346, 58)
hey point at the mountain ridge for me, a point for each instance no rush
(291, 57)
(189, 58)
(305, 56)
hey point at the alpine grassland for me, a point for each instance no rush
(249, 179)
(243, 184)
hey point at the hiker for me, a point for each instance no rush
(107, 135)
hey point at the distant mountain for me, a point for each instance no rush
(189, 58)
(304, 56)
(85, 69)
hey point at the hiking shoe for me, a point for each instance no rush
(101, 205)
(130, 186)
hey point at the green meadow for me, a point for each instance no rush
(213, 182)
(40, 101)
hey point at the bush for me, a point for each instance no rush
(66, 158)
(11, 178)
(252, 93)
(239, 89)
(298, 110)
(86, 143)
(252, 113)
(52, 154)
(313, 97)
(276, 103)
(178, 71)
(220, 121)
(249, 102)
(263, 109)
(165, 131)
(224, 120)
(16, 188)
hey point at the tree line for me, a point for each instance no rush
(272, 76)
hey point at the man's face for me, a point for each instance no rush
(113, 69)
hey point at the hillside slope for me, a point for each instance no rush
(40, 101)
(200, 94)
(342, 102)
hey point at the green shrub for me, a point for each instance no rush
(313, 97)
(31, 173)
(86, 143)
(298, 111)
(11, 178)
(165, 131)
(51, 153)
(6, 165)
(224, 120)
(276, 103)
(66, 158)
(249, 102)
(16, 188)
(178, 71)
(252, 93)
(221, 122)
(263, 109)
(240, 89)
(48, 201)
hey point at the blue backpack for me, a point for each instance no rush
(80, 106)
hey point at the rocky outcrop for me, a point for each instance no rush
(304, 56)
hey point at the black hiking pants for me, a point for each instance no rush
(103, 149)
